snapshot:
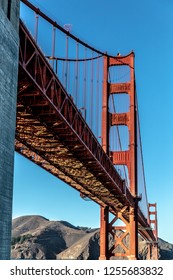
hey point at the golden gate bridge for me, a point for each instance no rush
(77, 117)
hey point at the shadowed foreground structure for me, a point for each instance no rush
(9, 45)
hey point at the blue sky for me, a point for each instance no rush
(115, 26)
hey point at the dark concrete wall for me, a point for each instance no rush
(11, 10)
(9, 20)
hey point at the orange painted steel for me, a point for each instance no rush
(129, 158)
(51, 132)
(153, 245)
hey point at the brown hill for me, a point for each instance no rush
(166, 250)
(35, 237)
(86, 248)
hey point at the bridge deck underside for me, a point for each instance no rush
(59, 152)
(51, 132)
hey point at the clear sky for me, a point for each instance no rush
(115, 26)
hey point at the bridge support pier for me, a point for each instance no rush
(118, 241)
(133, 242)
(9, 18)
(104, 220)
(155, 255)
(152, 251)
(149, 252)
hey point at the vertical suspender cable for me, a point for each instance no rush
(92, 107)
(66, 66)
(77, 73)
(97, 98)
(36, 27)
(85, 84)
(68, 75)
(63, 72)
(74, 81)
(53, 45)
(56, 66)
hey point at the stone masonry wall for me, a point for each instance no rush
(9, 41)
